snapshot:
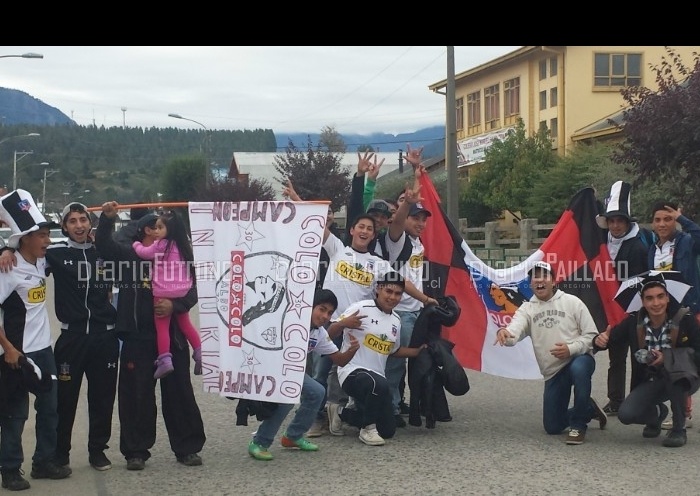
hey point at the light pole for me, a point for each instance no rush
(207, 136)
(14, 168)
(47, 173)
(28, 55)
(19, 136)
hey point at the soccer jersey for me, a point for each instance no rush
(412, 270)
(351, 274)
(23, 301)
(378, 338)
(320, 342)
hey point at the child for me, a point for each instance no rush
(312, 392)
(165, 241)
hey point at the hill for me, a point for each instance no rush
(18, 107)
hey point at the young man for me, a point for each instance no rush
(136, 387)
(629, 254)
(677, 250)
(562, 332)
(26, 324)
(363, 376)
(655, 327)
(312, 392)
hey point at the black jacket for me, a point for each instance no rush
(631, 259)
(82, 285)
(628, 332)
(132, 276)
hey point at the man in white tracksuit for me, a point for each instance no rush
(562, 332)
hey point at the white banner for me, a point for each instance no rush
(473, 150)
(256, 272)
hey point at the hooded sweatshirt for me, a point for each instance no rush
(564, 318)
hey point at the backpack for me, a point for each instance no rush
(647, 236)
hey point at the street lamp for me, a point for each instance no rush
(30, 135)
(207, 137)
(28, 55)
(14, 168)
(47, 173)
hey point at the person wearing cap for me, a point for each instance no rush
(658, 325)
(28, 331)
(87, 345)
(404, 249)
(677, 250)
(136, 387)
(629, 255)
(562, 330)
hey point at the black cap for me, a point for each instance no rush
(380, 207)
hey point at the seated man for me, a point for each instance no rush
(655, 327)
(562, 331)
(363, 376)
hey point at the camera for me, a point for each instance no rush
(644, 356)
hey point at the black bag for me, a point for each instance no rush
(679, 364)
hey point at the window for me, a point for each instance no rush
(543, 100)
(543, 69)
(613, 70)
(491, 107)
(554, 128)
(474, 113)
(553, 97)
(459, 113)
(511, 97)
(553, 66)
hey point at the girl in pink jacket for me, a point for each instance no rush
(166, 242)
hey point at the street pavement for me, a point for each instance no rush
(495, 445)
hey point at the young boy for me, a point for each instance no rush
(312, 392)
(26, 324)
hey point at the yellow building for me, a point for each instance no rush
(573, 90)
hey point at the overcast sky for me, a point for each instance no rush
(286, 89)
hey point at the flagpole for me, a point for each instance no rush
(175, 204)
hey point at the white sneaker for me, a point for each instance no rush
(667, 425)
(335, 424)
(370, 436)
(318, 428)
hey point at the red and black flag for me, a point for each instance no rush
(488, 296)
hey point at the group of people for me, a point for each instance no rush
(564, 343)
(117, 346)
(369, 296)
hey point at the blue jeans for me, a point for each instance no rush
(322, 368)
(396, 367)
(12, 424)
(312, 394)
(557, 392)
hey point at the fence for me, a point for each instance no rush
(502, 247)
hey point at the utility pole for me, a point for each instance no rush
(451, 141)
(47, 173)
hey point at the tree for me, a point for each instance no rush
(183, 178)
(661, 142)
(332, 140)
(228, 190)
(505, 179)
(316, 174)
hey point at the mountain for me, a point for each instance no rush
(18, 107)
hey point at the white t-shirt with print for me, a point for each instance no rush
(351, 274)
(411, 270)
(378, 338)
(320, 342)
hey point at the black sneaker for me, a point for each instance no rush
(49, 470)
(135, 463)
(13, 480)
(611, 409)
(654, 430)
(675, 439)
(191, 460)
(599, 414)
(63, 460)
(99, 461)
(404, 409)
(400, 422)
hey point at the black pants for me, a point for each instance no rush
(372, 393)
(95, 356)
(617, 372)
(137, 402)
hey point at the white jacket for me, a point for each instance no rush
(564, 318)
